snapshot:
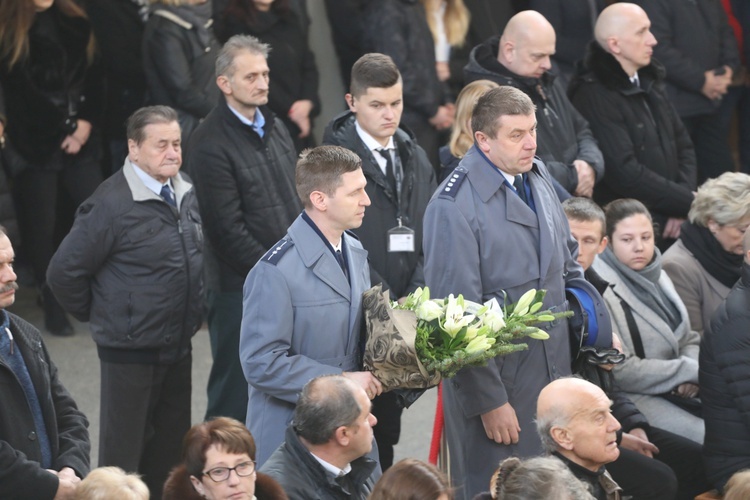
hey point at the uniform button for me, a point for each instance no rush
(208, 49)
(32, 436)
(447, 189)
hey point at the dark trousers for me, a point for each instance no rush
(646, 478)
(710, 137)
(388, 429)
(227, 387)
(145, 413)
(47, 197)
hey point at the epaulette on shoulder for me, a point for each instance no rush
(450, 188)
(274, 254)
(351, 233)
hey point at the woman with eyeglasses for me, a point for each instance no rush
(218, 462)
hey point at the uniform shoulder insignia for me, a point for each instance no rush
(274, 254)
(450, 186)
(351, 233)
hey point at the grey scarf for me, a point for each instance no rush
(644, 284)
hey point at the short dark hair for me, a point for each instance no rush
(584, 210)
(146, 116)
(226, 433)
(325, 404)
(321, 168)
(496, 103)
(373, 70)
(617, 210)
(413, 479)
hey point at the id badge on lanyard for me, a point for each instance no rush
(401, 238)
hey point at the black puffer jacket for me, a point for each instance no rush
(179, 66)
(398, 28)
(133, 267)
(246, 190)
(694, 37)
(44, 94)
(401, 272)
(21, 476)
(563, 134)
(648, 152)
(724, 379)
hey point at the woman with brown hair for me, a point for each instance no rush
(50, 97)
(218, 461)
(412, 479)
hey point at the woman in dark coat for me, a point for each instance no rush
(179, 54)
(293, 93)
(49, 100)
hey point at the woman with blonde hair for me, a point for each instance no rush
(705, 262)
(449, 23)
(107, 483)
(462, 137)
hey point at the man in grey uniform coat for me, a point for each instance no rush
(482, 239)
(302, 305)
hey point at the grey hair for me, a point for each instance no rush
(235, 45)
(499, 102)
(539, 478)
(137, 122)
(725, 200)
(325, 404)
(556, 416)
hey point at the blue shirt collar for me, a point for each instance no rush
(258, 122)
(151, 183)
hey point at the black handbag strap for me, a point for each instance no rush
(635, 334)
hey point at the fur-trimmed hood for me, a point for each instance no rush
(179, 487)
(599, 65)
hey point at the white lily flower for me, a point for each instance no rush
(429, 311)
(454, 316)
(479, 344)
(494, 320)
(522, 307)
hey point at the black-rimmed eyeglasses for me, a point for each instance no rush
(219, 474)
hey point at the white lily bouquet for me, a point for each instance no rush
(415, 344)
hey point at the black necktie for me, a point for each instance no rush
(340, 258)
(166, 193)
(389, 174)
(520, 188)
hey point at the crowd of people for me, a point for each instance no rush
(160, 158)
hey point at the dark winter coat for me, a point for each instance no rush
(724, 379)
(401, 272)
(246, 190)
(648, 152)
(563, 134)
(694, 37)
(44, 94)
(179, 487)
(399, 29)
(180, 68)
(302, 476)
(132, 266)
(21, 477)
(118, 28)
(294, 74)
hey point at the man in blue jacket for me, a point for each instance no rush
(302, 306)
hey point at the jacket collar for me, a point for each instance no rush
(605, 68)
(141, 193)
(362, 467)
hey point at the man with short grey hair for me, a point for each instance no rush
(576, 425)
(242, 159)
(327, 443)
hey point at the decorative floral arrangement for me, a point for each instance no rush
(415, 344)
